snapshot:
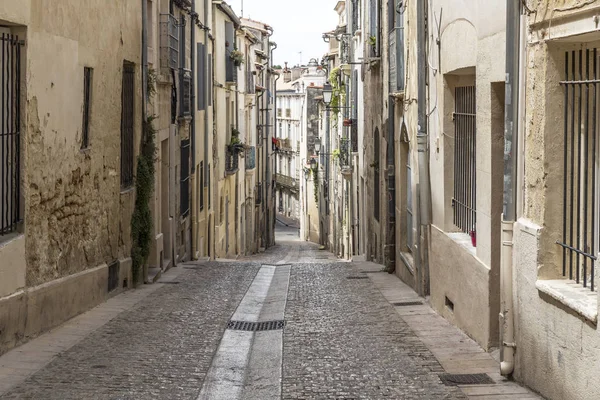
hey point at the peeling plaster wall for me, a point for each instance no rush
(74, 216)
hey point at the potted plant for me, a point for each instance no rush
(237, 57)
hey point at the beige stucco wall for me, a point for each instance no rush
(557, 347)
(470, 278)
(12, 270)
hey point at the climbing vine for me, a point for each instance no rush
(315, 174)
(141, 220)
(338, 91)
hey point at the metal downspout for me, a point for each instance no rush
(511, 126)
(209, 86)
(144, 87)
(193, 208)
(423, 148)
(270, 207)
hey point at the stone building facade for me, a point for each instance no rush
(74, 131)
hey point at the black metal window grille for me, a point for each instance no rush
(87, 99)
(10, 133)
(201, 188)
(209, 186)
(184, 184)
(579, 158)
(186, 94)
(464, 198)
(345, 152)
(409, 205)
(127, 124)
(376, 182)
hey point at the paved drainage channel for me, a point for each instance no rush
(248, 362)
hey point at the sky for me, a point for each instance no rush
(298, 25)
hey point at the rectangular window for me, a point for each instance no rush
(208, 179)
(376, 182)
(201, 77)
(201, 188)
(396, 43)
(186, 94)
(184, 184)
(288, 113)
(580, 189)
(464, 199)
(10, 134)
(409, 205)
(127, 124)
(374, 23)
(87, 98)
(279, 112)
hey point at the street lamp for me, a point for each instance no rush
(327, 93)
(318, 147)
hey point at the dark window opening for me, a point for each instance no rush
(184, 184)
(87, 99)
(127, 124)
(201, 188)
(376, 183)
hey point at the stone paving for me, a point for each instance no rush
(343, 339)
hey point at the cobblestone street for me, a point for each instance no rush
(342, 338)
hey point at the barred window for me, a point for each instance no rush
(464, 199)
(87, 99)
(127, 124)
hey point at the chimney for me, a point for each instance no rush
(287, 74)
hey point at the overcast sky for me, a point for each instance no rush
(298, 25)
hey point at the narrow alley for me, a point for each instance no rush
(342, 338)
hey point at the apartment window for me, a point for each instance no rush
(279, 113)
(288, 113)
(201, 72)
(464, 199)
(184, 184)
(376, 182)
(374, 22)
(579, 240)
(127, 124)
(10, 134)
(186, 94)
(208, 179)
(201, 188)
(87, 99)
(396, 43)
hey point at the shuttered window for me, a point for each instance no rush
(201, 74)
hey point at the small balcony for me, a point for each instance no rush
(250, 158)
(232, 161)
(286, 182)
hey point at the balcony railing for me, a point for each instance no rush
(250, 158)
(287, 182)
(232, 161)
(345, 148)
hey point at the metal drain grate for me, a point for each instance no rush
(408, 303)
(169, 282)
(357, 277)
(372, 272)
(466, 379)
(255, 326)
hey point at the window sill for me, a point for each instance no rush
(464, 240)
(574, 296)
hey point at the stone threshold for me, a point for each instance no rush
(455, 351)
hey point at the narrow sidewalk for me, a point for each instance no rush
(456, 352)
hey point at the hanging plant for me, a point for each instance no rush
(237, 57)
(336, 154)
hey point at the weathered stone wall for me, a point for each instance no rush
(73, 210)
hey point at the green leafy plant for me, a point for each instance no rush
(151, 83)
(373, 41)
(141, 220)
(237, 57)
(315, 174)
(336, 154)
(338, 89)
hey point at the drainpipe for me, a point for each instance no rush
(511, 126)
(209, 86)
(422, 146)
(275, 134)
(270, 210)
(193, 208)
(144, 88)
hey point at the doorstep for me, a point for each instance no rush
(455, 351)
